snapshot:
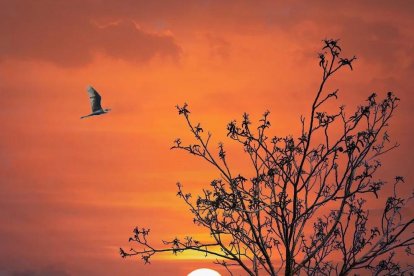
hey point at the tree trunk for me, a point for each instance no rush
(288, 270)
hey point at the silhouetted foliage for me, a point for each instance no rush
(304, 210)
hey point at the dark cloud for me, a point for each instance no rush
(375, 30)
(68, 34)
(377, 41)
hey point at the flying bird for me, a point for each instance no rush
(95, 100)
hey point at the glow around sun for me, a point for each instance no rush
(204, 272)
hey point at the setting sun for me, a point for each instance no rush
(204, 272)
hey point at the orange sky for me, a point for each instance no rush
(72, 190)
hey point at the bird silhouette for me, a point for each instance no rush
(95, 100)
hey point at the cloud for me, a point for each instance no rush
(68, 35)
(67, 32)
(219, 47)
(377, 41)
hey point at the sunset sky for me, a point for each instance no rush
(72, 190)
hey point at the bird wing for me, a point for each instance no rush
(95, 99)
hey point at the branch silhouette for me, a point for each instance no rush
(304, 209)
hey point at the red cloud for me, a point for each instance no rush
(66, 34)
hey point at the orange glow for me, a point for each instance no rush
(72, 190)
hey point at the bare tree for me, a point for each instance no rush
(304, 209)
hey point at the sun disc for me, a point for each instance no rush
(204, 272)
